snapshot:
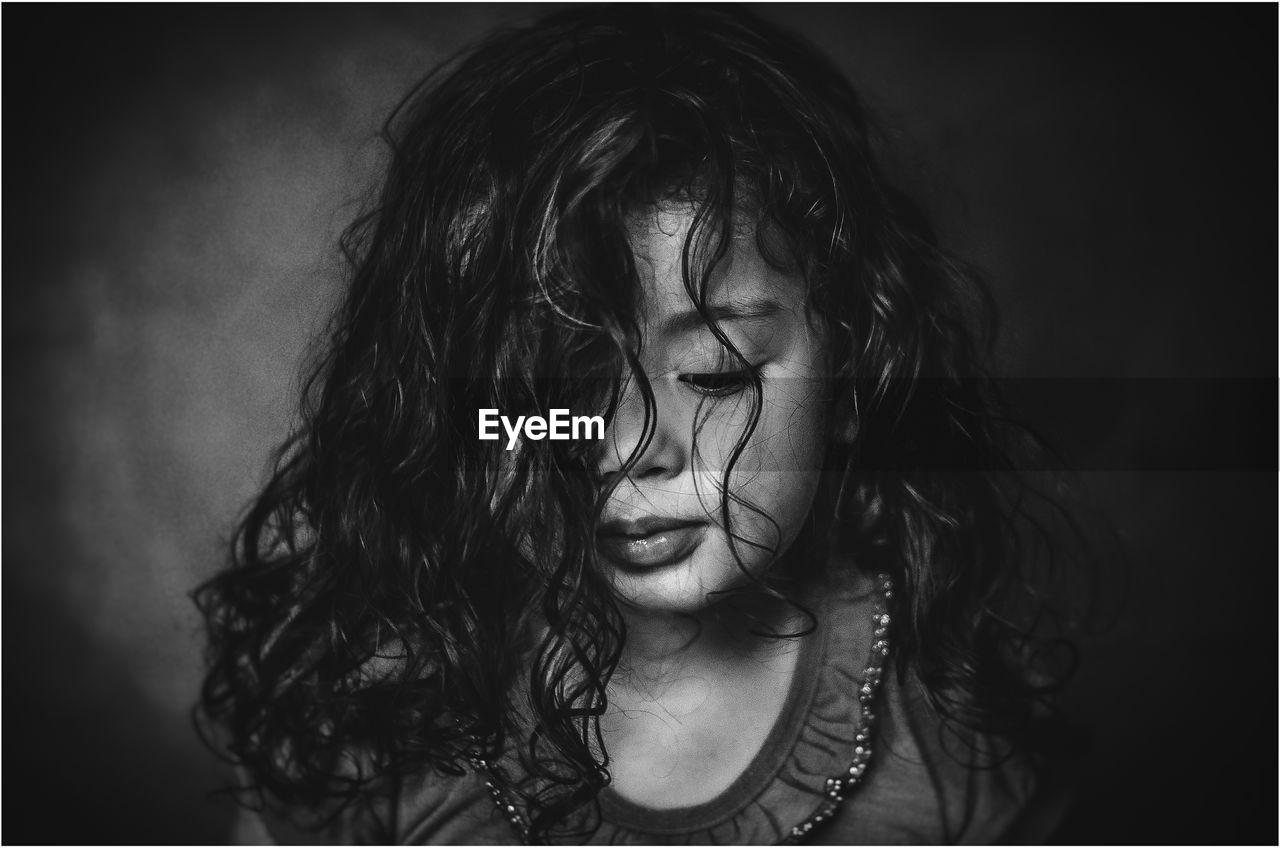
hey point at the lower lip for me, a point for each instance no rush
(664, 547)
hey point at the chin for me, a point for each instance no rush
(687, 587)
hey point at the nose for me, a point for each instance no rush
(661, 452)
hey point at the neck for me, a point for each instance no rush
(664, 647)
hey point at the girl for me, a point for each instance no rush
(773, 597)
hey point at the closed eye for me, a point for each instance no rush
(718, 383)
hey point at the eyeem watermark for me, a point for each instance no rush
(559, 427)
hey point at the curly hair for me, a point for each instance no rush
(384, 608)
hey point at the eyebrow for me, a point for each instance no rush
(746, 309)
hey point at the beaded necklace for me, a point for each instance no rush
(836, 789)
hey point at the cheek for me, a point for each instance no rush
(775, 479)
(767, 513)
(791, 433)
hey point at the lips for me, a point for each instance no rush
(649, 542)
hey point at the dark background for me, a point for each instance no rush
(175, 181)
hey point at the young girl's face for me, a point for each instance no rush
(663, 535)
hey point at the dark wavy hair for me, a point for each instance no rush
(383, 614)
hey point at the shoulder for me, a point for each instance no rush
(922, 784)
(924, 787)
(431, 808)
(437, 809)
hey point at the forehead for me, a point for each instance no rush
(742, 284)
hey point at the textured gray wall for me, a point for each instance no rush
(177, 179)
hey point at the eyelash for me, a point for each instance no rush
(718, 383)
